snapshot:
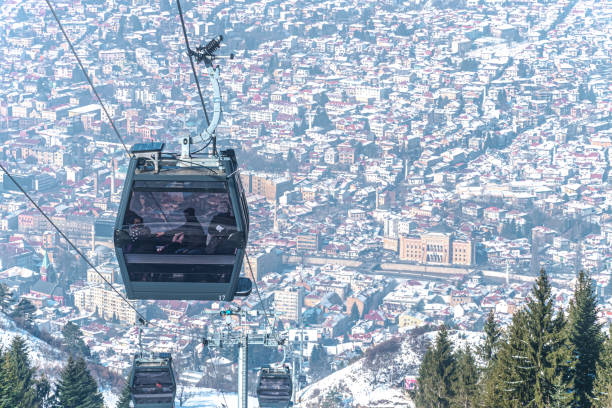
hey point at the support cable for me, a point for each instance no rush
(73, 246)
(214, 366)
(189, 52)
(263, 305)
(141, 318)
(127, 151)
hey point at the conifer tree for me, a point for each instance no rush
(76, 387)
(585, 339)
(602, 386)
(73, 340)
(437, 373)
(562, 396)
(44, 397)
(125, 397)
(164, 5)
(5, 298)
(488, 350)
(17, 383)
(545, 341)
(466, 380)
(2, 375)
(355, 313)
(23, 313)
(510, 383)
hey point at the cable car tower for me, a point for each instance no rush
(278, 384)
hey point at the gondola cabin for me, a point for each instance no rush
(152, 382)
(274, 387)
(182, 226)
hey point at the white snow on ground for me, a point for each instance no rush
(110, 398)
(358, 382)
(460, 338)
(46, 358)
(210, 398)
(51, 361)
(355, 379)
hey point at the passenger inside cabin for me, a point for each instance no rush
(188, 238)
(221, 226)
(140, 236)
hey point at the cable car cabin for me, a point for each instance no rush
(152, 382)
(274, 387)
(182, 226)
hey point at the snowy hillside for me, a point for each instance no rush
(377, 382)
(372, 381)
(209, 398)
(355, 385)
(46, 358)
(460, 338)
(50, 361)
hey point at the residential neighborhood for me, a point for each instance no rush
(406, 164)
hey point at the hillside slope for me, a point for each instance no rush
(47, 359)
(372, 381)
(50, 361)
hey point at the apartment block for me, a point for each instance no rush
(288, 303)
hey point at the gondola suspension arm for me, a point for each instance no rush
(206, 54)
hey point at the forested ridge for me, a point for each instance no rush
(546, 358)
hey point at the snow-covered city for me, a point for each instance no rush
(366, 203)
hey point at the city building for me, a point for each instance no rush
(288, 303)
(436, 248)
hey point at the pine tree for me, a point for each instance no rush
(43, 393)
(510, 382)
(73, 340)
(121, 29)
(21, 15)
(5, 298)
(23, 313)
(544, 340)
(164, 5)
(17, 382)
(602, 386)
(355, 312)
(585, 338)
(76, 387)
(125, 397)
(488, 350)
(437, 373)
(465, 381)
(562, 396)
(135, 23)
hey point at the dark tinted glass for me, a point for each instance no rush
(274, 387)
(179, 218)
(152, 382)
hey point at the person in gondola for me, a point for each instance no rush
(219, 230)
(140, 236)
(189, 238)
